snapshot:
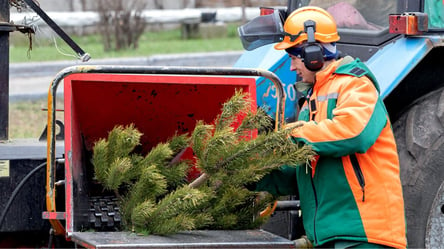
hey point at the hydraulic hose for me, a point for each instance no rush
(17, 189)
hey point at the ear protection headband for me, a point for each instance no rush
(312, 53)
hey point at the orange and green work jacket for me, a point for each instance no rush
(352, 191)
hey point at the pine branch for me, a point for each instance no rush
(109, 158)
(201, 134)
(182, 199)
(117, 173)
(227, 148)
(150, 185)
(177, 211)
(254, 121)
(218, 146)
(199, 181)
(264, 144)
(179, 142)
(122, 140)
(176, 174)
(180, 222)
(159, 155)
(142, 213)
(156, 199)
(100, 160)
(238, 104)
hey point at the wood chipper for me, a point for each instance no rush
(160, 102)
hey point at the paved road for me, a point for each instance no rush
(32, 80)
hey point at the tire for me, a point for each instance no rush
(419, 135)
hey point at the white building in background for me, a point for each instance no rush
(82, 5)
(80, 16)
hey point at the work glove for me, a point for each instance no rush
(292, 126)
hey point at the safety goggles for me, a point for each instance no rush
(293, 37)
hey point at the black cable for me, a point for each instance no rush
(17, 189)
(51, 238)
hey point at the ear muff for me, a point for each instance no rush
(312, 53)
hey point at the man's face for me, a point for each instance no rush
(298, 65)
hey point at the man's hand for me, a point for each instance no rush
(294, 125)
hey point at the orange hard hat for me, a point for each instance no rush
(326, 31)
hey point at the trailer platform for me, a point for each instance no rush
(190, 239)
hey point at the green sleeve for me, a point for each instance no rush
(279, 182)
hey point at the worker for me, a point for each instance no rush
(350, 194)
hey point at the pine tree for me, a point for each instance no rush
(230, 153)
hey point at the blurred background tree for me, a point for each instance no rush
(121, 23)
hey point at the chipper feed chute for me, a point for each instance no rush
(159, 102)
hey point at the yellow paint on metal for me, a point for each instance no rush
(4, 168)
(50, 190)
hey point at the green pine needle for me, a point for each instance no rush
(179, 142)
(122, 140)
(117, 173)
(238, 104)
(150, 185)
(100, 160)
(142, 213)
(202, 133)
(177, 211)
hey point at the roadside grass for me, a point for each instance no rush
(26, 118)
(46, 48)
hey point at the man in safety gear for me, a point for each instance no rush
(351, 194)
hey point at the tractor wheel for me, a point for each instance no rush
(419, 134)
